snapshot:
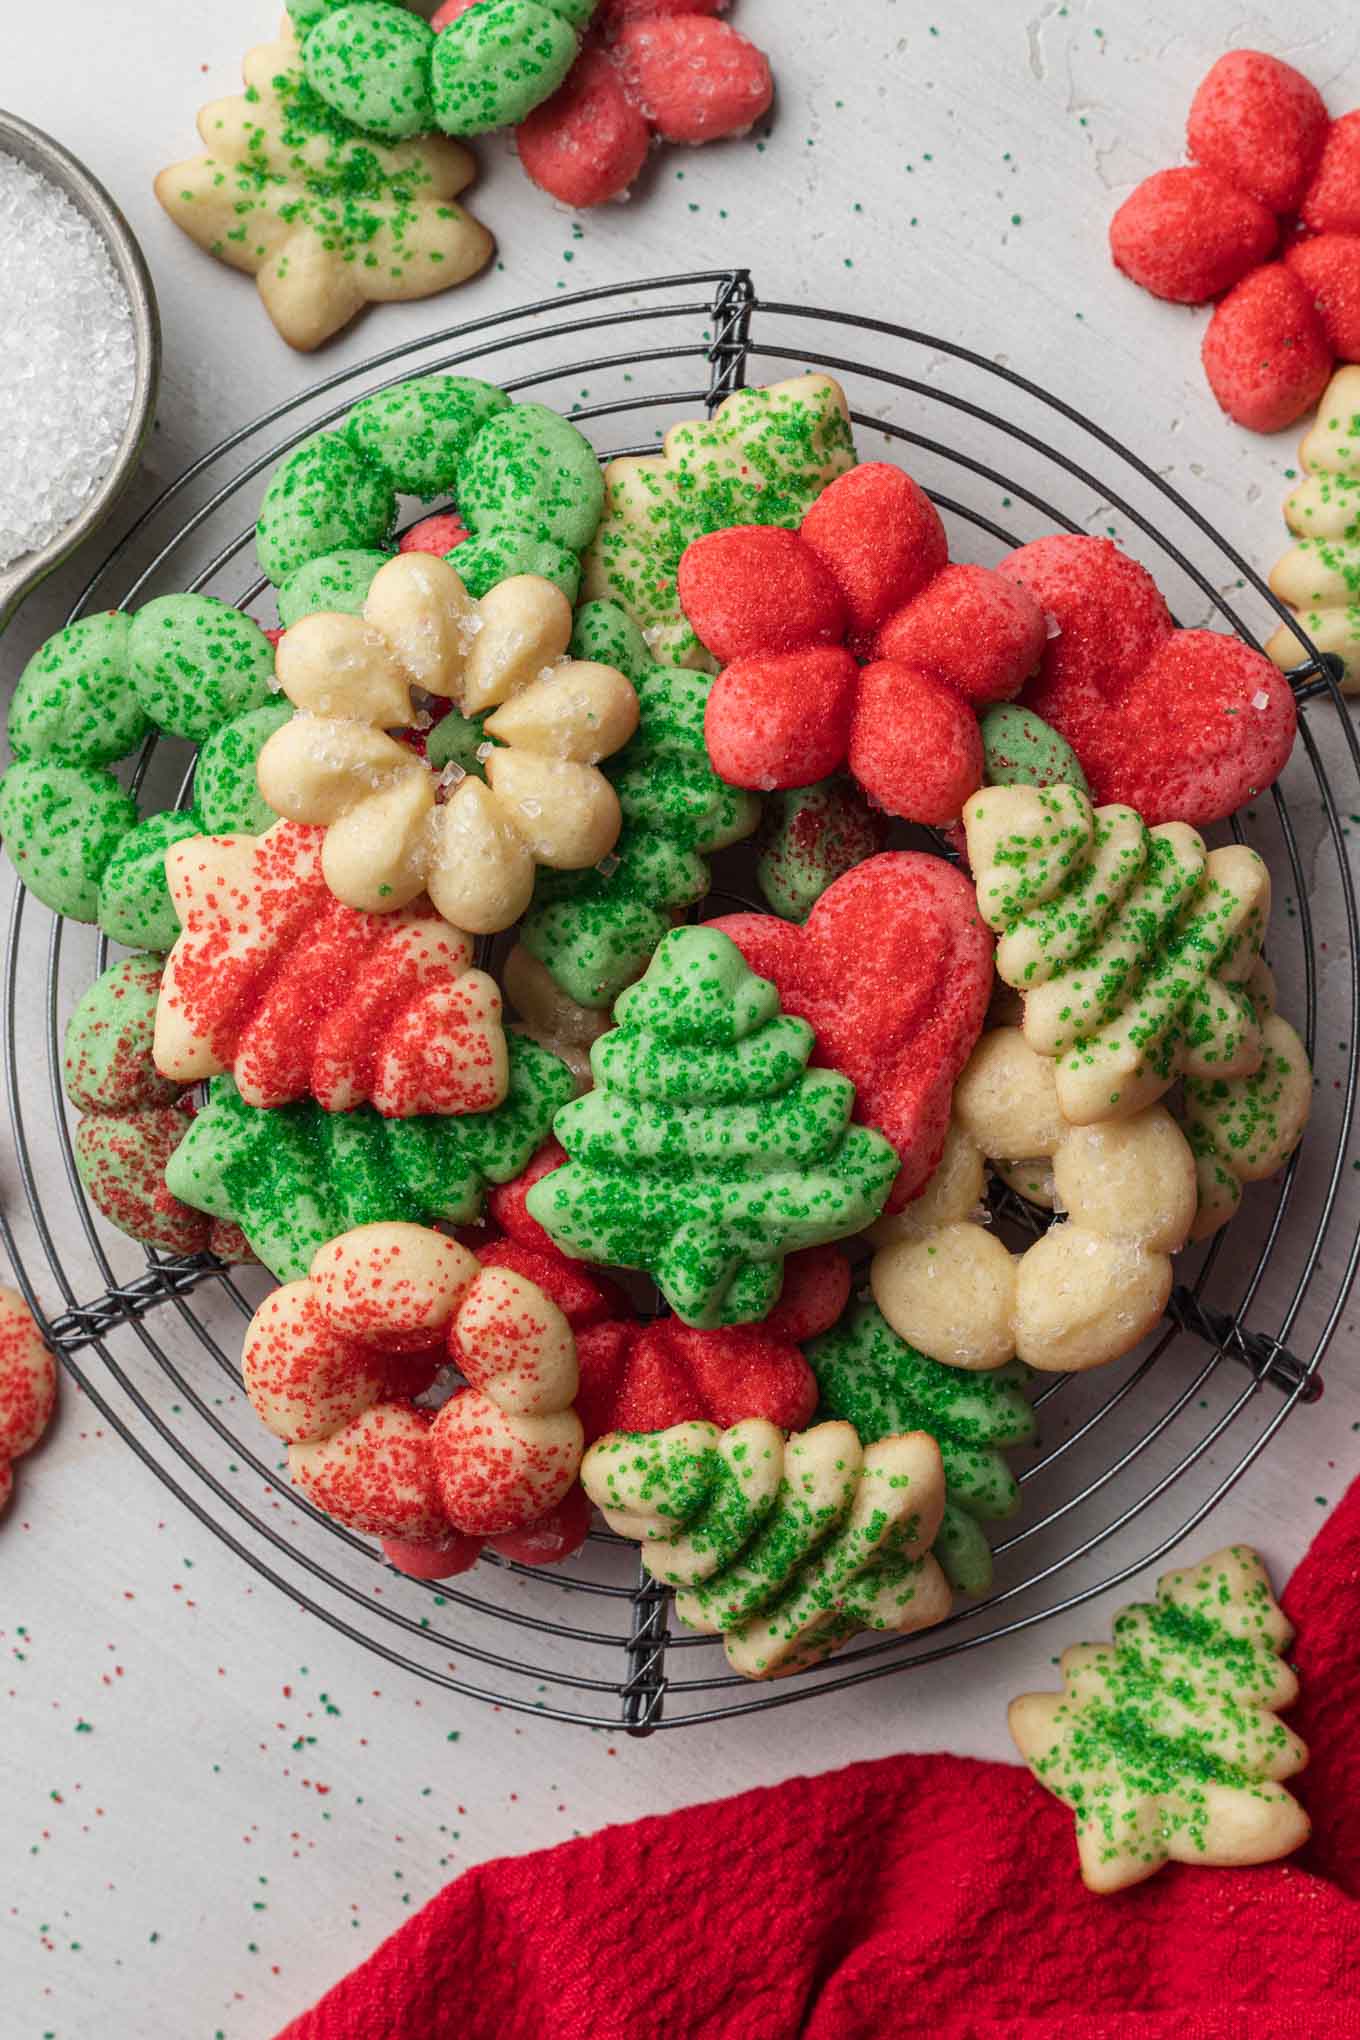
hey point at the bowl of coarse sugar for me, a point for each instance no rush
(80, 350)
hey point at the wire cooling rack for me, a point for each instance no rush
(155, 1342)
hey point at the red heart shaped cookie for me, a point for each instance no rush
(893, 970)
(1184, 725)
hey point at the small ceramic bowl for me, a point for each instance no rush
(87, 194)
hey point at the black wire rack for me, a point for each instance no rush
(1130, 1459)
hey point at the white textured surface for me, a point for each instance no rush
(170, 1863)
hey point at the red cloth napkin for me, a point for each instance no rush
(916, 1896)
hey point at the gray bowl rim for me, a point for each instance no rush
(42, 152)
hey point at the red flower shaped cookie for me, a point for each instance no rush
(893, 970)
(663, 69)
(296, 994)
(1265, 153)
(330, 1361)
(869, 568)
(1184, 725)
(28, 1385)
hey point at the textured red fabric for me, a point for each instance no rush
(915, 1895)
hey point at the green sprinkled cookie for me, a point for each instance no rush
(225, 793)
(324, 496)
(529, 470)
(784, 1547)
(295, 1177)
(195, 662)
(135, 907)
(73, 704)
(335, 581)
(595, 931)
(61, 825)
(422, 430)
(1167, 1743)
(526, 483)
(371, 62)
(708, 1149)
(493, 65)
(1019, 749)
(882, 1385)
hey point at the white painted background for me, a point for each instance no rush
(165, 1871)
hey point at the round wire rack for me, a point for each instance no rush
(1128, 1460)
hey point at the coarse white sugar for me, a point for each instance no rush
(67, 360)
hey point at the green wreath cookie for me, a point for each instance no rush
(183, 666)
(527, 485)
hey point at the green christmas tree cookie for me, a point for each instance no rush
(882, 1385)
(595, 931)
(297, 1176)
(785, 1548)
(708, 1149)
(1167, 1745)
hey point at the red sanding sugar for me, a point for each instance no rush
(1265, 351)
(1188, 235)
(1331, 204)
(376, 1475)
(1260, 124)
(1183, 725)
(893, 970)
(1328, 267)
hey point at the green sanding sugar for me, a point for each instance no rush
(1180, 1702)
(135, 907)
(324, 496)
(195, 662)
(529, 470)
(73, 704)
(493, 65)
(61, 824)
(884, 1386)
(422, 430)
(297, 1176)
(483, 562)
(225, 792)
(371, 62)
(708, 1150)
(334, 581)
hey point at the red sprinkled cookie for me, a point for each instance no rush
(1184, 725)
(28, 1385)
(867, 573)
(1187, 235)
(296, 994)
(893, 969)
(1266, 352)
(1261, 125)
